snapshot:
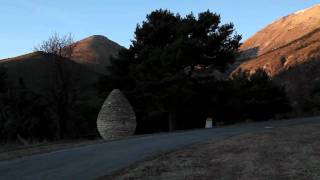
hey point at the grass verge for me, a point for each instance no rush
(286, 153)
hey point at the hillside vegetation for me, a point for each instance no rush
(289, 51)
(64, 88)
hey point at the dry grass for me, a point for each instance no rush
(12, 151)
(292, 153)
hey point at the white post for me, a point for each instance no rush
(209, 123)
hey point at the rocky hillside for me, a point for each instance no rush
(289, 50)
(285, 43)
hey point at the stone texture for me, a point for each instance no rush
(116, 118)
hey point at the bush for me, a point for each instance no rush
(25, 114)
(256, 96)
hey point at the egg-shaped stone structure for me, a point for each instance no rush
(116, 118)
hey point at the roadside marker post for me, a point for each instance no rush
(209, 123)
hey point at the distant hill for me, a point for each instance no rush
(95, 52)
(289, 50)
(37, 69)
(88, 63)
(285, 43)
(89, 59)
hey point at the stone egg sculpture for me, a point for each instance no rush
(116, 118)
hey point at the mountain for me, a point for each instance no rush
(285, 43)
(39, 72)
(95, 51)
(289, 50)
(89, 59)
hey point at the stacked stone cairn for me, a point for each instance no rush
(116, 119)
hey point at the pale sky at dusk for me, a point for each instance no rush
(26, 23)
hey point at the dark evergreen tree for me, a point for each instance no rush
(3, 79)
(255, 97)
(309, 104)
(157, 71)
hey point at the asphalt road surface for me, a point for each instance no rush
(93, 161)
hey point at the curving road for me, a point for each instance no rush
(93, 161)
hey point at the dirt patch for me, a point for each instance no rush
(288, 153)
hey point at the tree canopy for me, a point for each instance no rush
(157, 72)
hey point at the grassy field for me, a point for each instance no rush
(288, 153)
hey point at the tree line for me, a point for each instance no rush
(56, 113)
(174, 75)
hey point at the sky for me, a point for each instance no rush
(26, 23)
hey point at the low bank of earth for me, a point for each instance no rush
(286, 153)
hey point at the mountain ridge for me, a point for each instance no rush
(37, 68)
(292, 59)
(95, 51)
(256, 52)
(283, 31)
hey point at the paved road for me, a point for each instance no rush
(94, 161)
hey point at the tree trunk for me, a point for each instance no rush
(21, 140)
(172, 122)
(58, 133)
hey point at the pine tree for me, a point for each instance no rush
(157, 71)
